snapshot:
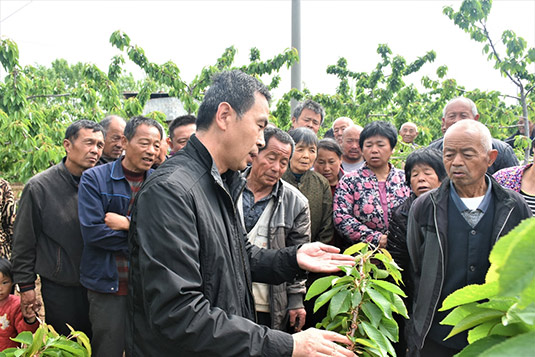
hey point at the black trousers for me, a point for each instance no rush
(66, 305)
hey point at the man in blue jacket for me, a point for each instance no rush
(106, 195)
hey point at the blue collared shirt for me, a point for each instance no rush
(472, 216)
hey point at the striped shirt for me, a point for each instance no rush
(530, 200)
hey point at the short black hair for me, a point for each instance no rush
(233, 87)
(305, 135)
(425, 156)
(282, 136)
(74, 129)
(330, 145)
(5, 268)
(133, 123)
(309, 104)
(180, 121)
(380, 128)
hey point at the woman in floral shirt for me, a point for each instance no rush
(365, 199)
(520, 179)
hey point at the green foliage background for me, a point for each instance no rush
(37, 103)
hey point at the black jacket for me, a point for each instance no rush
(428, 247)
(191, 266)
(506, 155)
(47, 239)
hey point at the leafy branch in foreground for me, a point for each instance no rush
(47, 342)
(362, 302)
(500, 314)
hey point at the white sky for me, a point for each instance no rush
(194, 34)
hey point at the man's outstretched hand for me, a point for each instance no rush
(312, 342)
(321, 258)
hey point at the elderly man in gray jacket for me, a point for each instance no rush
(451, 232)
(275, 215)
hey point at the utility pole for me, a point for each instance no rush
(296, 43)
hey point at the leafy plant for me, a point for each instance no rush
(47, 342)
(362, 302)
(500, 314)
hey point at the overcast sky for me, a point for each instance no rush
(194, 34)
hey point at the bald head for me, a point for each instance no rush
(408, 132)
(467, 155)
(339, 125)
(351, 151)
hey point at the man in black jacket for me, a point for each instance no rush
(47, 238)
(451, 232)
(191, 267)
(461, 108)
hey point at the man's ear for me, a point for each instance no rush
(67, 145)
(124, 141)
(476, 117)
(224, 115)
(493, 154)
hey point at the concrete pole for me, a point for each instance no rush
(296, 43)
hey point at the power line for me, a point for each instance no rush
(14, 12)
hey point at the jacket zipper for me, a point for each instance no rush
(504, 223)
(442, 266)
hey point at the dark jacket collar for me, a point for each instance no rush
(230, 179)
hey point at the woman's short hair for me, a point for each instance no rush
(304, 135)
(330, 145)
(380, 128)
(425, 156)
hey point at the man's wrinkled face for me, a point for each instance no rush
(350, 146)
(456, 111)
(113, 144)
(270, 163)
(142, 150)
(408, 133)
(338, 128)
(84, 151)
(465, 159)
(308, 119)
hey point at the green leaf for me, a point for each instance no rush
(355, 248)
(468, 294)
(482, 331)
(390, 328)
(356, 298)
(380, 301)
(373, 313)
(515, 268)
(319, 286)
(459, 313)
(377, 336)
(325, 297)
(343, 281)
(517, 314)
(366, 342)
(501, 304)
(340, 303)
(521, 345)
(25, 337)
(477, 348)
(474, 319)
(389, 286)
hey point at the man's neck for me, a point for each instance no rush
(476, 190)
(259, 191)
(206, 137)
(74, 169)
(528, 181)
(352, 161)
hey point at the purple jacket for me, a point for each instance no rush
(511, 177)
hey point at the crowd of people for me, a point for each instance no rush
(208, 247)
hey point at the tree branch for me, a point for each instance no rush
(48, 96)
(487, 35)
